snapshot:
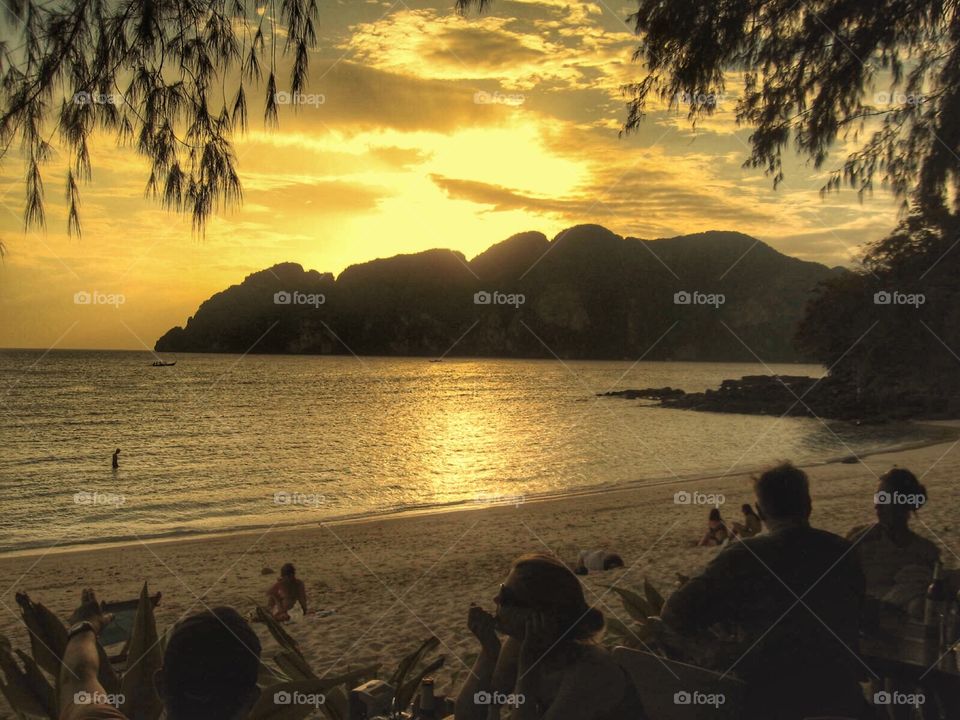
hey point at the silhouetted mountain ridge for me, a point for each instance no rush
(587, 293)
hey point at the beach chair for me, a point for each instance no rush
(115, 637)
(676, 690)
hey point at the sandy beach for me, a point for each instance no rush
(395, 581)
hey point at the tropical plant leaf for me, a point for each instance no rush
(293, 665)
(404, 694)
(21, 689)
(48, 635)
(337, 705)
(361, 674)
(267, 676)
(263, 615)
(653, 597)
(412, 660)
(39, 685)
(275, 702)
(637, 606)
(616, 627)
(144, 658)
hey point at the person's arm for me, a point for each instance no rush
(273, 595)
(480, 679)
(302, 595)
(79, 682)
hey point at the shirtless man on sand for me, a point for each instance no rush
(287, 592)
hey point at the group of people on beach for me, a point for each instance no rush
(790, 595)
(718, 533)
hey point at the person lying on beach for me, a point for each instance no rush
(549, 666)
(716, 533)
(597, 561)
(794, 596)
(286, 593)
(751, 524)
(209, 667)
(897, 563)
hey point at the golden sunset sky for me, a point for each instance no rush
(401, 157)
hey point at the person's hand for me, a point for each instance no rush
(90, 611)
(540, 634)
(483, 625)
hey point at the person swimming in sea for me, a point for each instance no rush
(116, 458)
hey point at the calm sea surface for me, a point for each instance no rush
(224, 441)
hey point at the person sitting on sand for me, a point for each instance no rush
(115, 462)
(897, 563)
(716, 533)
(794, 596)
(549, 665)
(209, 667)
(751, 524)
(597, 561)
(285, 593)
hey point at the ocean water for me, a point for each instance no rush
(226, 441)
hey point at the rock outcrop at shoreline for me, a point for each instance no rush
(792, 395)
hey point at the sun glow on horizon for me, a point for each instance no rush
(403, 157)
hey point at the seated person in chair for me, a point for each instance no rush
(897, 562)
(794, 598)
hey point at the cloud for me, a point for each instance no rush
(359, 97)
(560, 50)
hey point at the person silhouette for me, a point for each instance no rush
(116, 458)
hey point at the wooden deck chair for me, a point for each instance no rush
(671, 690)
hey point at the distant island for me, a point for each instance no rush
(586, 294)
